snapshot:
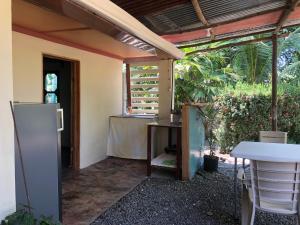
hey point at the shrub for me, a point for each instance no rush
(23, 217)
(244, 113)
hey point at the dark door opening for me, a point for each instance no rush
(61, 85)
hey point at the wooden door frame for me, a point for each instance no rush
(75, 108)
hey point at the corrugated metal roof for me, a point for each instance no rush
(179, 16)
(219, 8)
(174, 19)
(182, 15)
(235, 13)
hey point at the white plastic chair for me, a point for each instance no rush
(264, 136)
(273, 137)
(274, 188)
(245, 174)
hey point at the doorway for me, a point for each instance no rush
(61, 85)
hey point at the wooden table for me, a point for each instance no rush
(272, 152)
(170, 126)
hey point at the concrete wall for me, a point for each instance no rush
(100, 86)
(7, 171)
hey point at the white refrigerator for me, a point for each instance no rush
(38, 127)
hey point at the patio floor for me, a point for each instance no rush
(116, 191)
(207, 200)
(88, 193)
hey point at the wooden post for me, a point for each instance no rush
(128, 87)
(274, 83)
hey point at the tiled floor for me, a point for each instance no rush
(89, 192)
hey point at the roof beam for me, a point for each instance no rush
(291, 5)
(222, 39)
(266, 22)
(228, 38)
(236, 44)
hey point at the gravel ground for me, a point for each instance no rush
(206, 200)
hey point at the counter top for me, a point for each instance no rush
(135, 116)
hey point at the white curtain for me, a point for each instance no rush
(128, 137)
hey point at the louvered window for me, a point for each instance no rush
(144, 89)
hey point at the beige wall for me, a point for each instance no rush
(165, 100)
(165, 88)
(100, 84)
(7, 172)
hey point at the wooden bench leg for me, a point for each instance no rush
(178, 155)
(149, 140)
(247, 208)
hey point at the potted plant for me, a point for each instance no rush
(175, 116)
(211, 161)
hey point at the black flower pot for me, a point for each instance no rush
(211, 163)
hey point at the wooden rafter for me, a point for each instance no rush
(237, 44)
(199, 12)
(291, 5)
(202, 18)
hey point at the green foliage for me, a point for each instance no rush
(47, 221)
(260, 89)
(238, 81)
(200, 77)
(211, 123)
(253, 61)
(247, 89)
(20, 217)
(291, 73)
(245, 113)
(23, 217)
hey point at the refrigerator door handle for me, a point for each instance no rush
(61, 111)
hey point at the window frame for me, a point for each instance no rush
(141, 106)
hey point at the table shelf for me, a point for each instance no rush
(165, 161)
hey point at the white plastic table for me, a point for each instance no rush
(273, 152)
